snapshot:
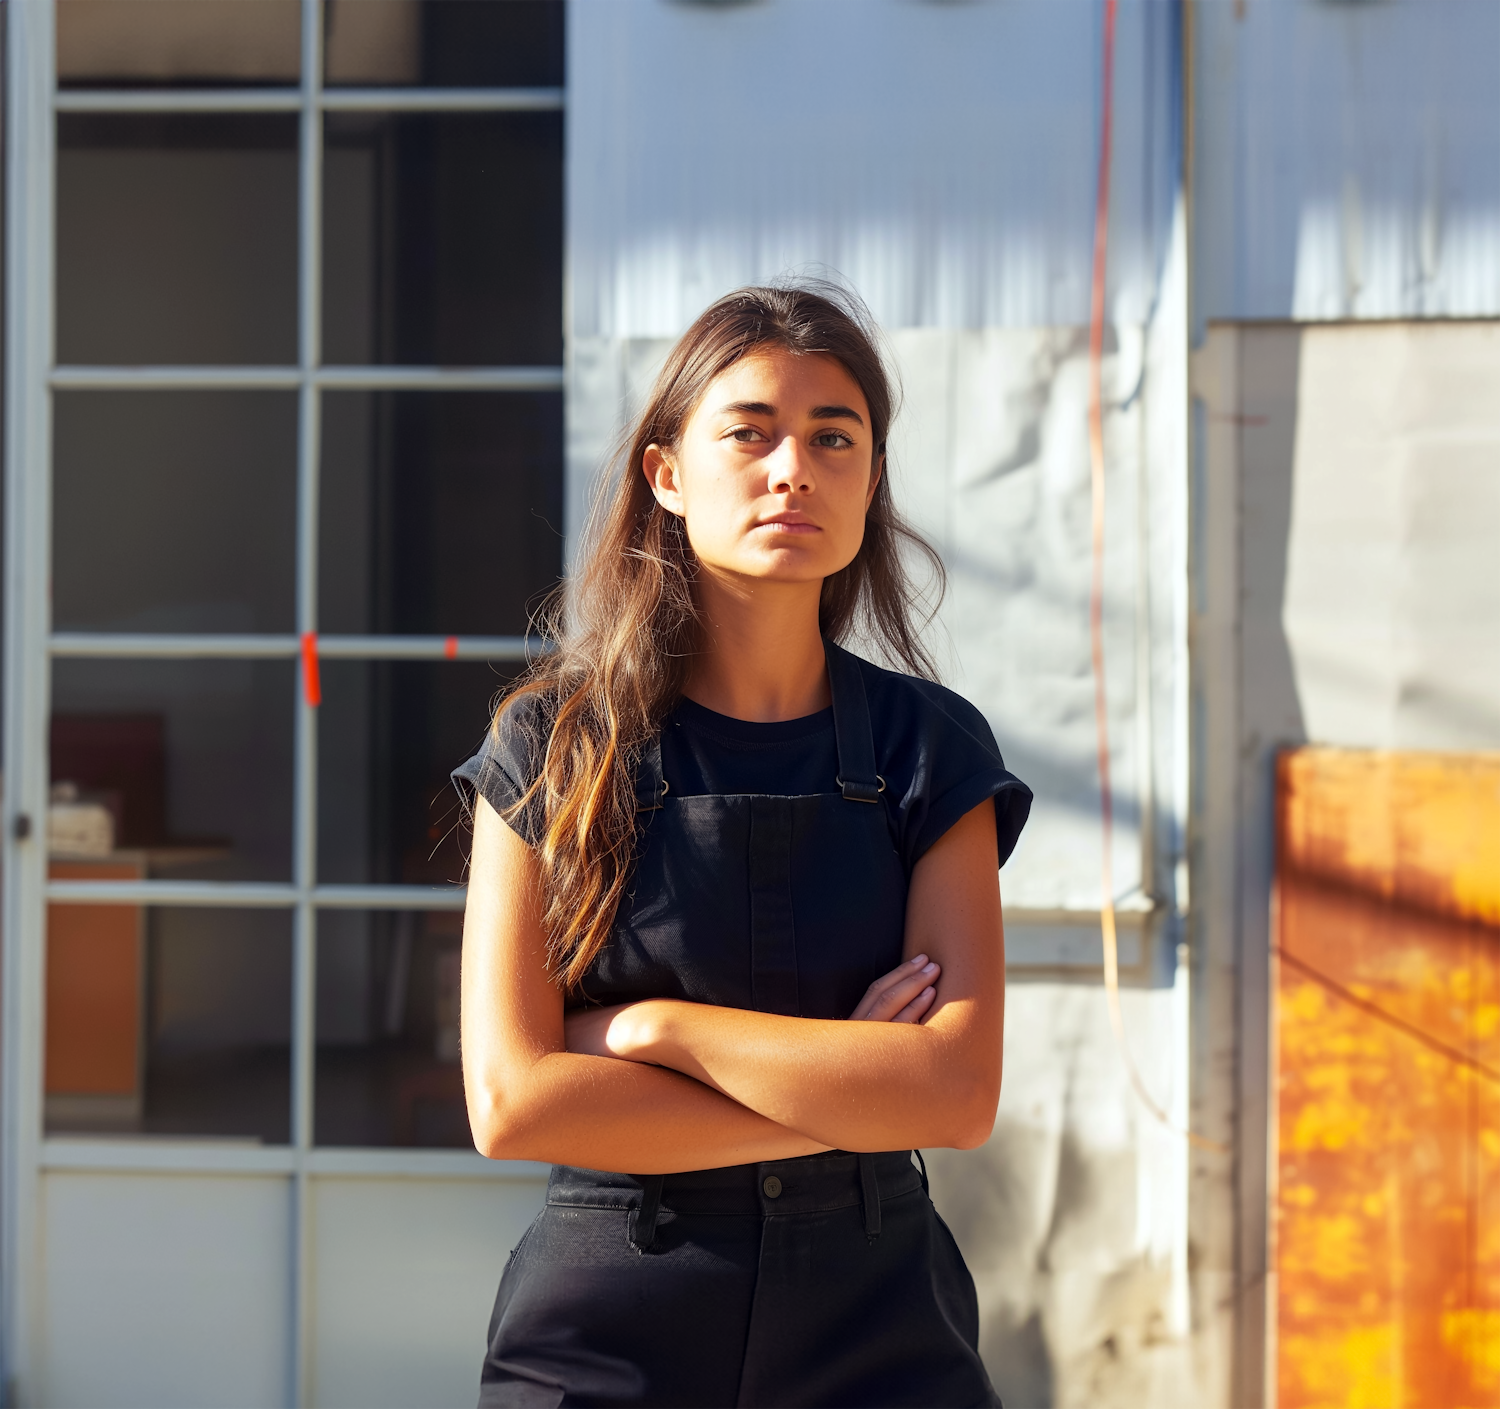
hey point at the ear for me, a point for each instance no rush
(661, 474)
(875, 474)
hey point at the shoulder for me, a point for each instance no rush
(939, 758)
(905, 705)
(511, 757)
(525, 720)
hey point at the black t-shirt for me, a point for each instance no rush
(935, 751)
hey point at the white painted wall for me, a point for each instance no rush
(1392, 612)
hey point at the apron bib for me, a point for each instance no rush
(826, 1280)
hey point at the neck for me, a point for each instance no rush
(762, 656)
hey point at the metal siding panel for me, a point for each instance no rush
(938, 156)
(1347, 164)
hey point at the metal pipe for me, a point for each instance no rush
(374, 378)
(439, 100)
(370, 378)
(123, 645)
(30, 153)
(259, 895)
(177, 100)
(290, 100)
(175, 378)
(305, 761)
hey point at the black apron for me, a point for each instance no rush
(826, 1280)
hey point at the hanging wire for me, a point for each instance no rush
(1096, 592)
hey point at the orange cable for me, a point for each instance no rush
(1096, 592)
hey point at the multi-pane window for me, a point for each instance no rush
(307, 492)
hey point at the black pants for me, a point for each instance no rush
(828, 1280)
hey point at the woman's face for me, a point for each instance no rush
(775, 469)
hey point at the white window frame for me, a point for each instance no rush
(32, 102)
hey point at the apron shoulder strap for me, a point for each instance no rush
(857, 778)
(650, 786)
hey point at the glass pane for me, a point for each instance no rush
(445, 43)
(443, 238)
(167, 1021)
(441, 511)
(181, 767)
(388, 1071)
(174, 511)
(389, 734)
(163, 42)
(177, 238)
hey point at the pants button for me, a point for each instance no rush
(771, 1186)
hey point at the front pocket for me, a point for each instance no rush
(531, 1228)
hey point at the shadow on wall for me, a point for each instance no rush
(1070, 1216)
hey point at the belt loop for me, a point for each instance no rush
(869, 1187)
(923, 1163)
(643, 1220)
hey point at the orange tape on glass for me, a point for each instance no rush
(312, 687)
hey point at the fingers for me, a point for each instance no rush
(890, 995)
(916, 1010)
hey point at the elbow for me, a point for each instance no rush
(972, 1117)
(498, 1132)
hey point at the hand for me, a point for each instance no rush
(903, 996)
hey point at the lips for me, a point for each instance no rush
(789, 523)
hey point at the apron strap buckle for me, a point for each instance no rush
(856, 790)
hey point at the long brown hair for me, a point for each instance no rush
(626, 626)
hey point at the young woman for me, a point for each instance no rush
(706, 836)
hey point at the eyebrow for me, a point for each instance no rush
(818, 413)
(748, 408)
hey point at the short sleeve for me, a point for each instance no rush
(947, 763)
(509, 763)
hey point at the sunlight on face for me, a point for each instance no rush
(775, 469)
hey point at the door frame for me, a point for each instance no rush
(32, 101)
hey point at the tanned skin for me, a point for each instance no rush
(772, 478)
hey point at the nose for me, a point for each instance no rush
(789, 468)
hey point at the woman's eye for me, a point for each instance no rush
(746, 434)
(831, 440)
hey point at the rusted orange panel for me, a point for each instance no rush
(93, 989)
(1388, 1151)
(1420, 829)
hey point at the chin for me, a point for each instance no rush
(787, 567)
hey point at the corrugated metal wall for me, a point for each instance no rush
(1350, 167)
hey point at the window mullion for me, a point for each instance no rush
(305, 791)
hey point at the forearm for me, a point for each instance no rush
(600, 1113)
(850, 1085)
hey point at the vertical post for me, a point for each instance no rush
(28, 540)
(1215, 831)
(305, 799)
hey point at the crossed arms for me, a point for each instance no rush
(661, 1086)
